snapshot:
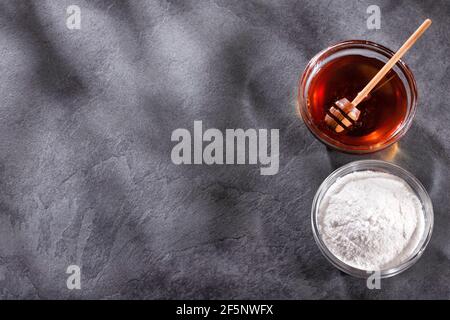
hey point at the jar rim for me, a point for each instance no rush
(302, 106)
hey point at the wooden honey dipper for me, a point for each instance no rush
(339, 115)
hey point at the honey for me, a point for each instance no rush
(382, 112)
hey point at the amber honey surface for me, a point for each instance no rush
(381, 113)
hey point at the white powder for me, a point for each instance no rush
(371, 220)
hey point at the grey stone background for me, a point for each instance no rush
(85, 171)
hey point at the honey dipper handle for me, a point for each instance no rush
(388, 66)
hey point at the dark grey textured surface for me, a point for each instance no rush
(85, 170)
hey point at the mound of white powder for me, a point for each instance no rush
(371, 220)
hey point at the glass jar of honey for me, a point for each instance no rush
(341, 71)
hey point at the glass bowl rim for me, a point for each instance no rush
(368, 45)
(374, 165)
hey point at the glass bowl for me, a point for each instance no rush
(365, 48)
(380, 166)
